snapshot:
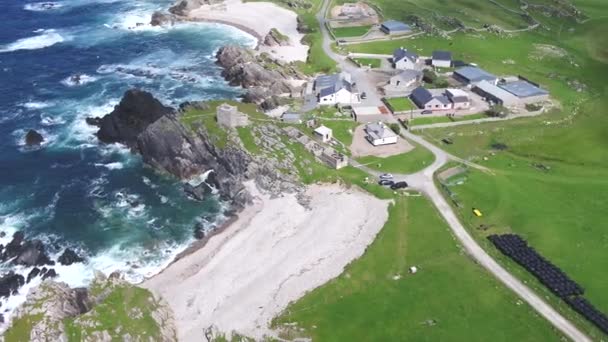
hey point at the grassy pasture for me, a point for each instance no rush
(412, 161)
(351, 31)
(376, 299)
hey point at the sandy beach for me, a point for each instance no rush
(273, 254)
(257, 18)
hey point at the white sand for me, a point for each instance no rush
(275, 253)
(258, 18)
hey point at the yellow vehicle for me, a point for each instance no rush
(477, 212)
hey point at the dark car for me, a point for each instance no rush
(399, 185)
(386, 182)
(426, 112)
(447, 141)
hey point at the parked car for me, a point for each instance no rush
(426, 111)
(386, 182)
(399, 185)
(386, 176)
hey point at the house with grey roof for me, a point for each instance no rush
(379, 134)
(395, 27)
(405, 79)
(527, 92)
(336, 89)
(423, 98)
(404, 59)
(473, 75)
(442, 59)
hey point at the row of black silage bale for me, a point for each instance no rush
(555, 279)
(550, 275)
(587, 310)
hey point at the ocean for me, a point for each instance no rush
(74, 192)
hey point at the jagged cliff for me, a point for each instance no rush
(158, 134)
(264, 78)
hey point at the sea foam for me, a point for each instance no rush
(45, 39)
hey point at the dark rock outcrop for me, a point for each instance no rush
(183, 7)
(50, 274)
(10, 283)
(276, 38)
(135, 112)
(13, 248)
(32, 253)
(262, 76)
(33, 274)
(69, 257)
(302, 26)
(33, 138)
(162, 19)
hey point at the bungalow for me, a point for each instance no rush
(459, 98)
(442, 59)
(473, 75)
(378, 134)
(423, 98)
(323, 133)
(403, 59)
(336, 89)
(395, 27)
(405, 79)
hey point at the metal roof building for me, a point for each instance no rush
(495, 94)
(471, 74)
(394, 27)
(523, 89)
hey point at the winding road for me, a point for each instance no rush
(423, 182)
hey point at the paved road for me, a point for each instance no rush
(423, 182)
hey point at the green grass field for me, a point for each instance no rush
(441, 119)
(401, 104)
(412, 161)
(449, 299)
(353, 31)
(371, 62)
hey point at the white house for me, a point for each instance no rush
(336, 89)
(442, 59)
(459, 98)
(404, 59)
(323, 133)
(378, 134)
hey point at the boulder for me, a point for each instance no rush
(32, 253)
(135, 112)
(276, 38)
(33, 273)
(50, 274)
(199, 232)
(33, 138)
(162, 19)
(93, 121)
(13, 248)
(10, 283)
(69, 257)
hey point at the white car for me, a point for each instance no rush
(386, 176)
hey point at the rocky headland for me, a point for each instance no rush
(165, 143)
(109, 309)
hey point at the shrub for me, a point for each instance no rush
(395, 128)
